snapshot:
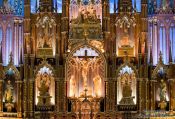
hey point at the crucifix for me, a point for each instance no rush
(85, 62)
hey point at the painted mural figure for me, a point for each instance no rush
(9, 92)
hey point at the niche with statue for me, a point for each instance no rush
(44, 87)
(162, 96)
(9, 92)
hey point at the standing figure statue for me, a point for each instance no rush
(72, 86)
(8, 95)
(97, 85)
(44, 85)
(163, 90)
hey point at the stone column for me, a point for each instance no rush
(153, 82)
(1, 97)
(147, 94)
(25, 88)
(56, 95)
(171, 98)
(31, 87)
(19, 98)
(106, 96)
(140, 94)
(31, 98)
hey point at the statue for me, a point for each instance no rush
(40, 42)
(8, 95)
(97, 85)
(43, 85)
(127, 92)
(9, 92)
(163, 90)
(127, 98)
(72, 86)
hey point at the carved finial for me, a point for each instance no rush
(85, 93)
(11, 58)
(160, 58)
(126, 56)
(85, 36)
(44, 56)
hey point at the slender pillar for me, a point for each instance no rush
(153, 82)
(1, 97)
(19, 98)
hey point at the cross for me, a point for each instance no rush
(85, 93)
(86, 56)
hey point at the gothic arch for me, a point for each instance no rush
(11, 66)
(126, 79)
(158, 67)
(85, 45)
(129, 65)
(44, 72)
(73, 67)
(44, 64)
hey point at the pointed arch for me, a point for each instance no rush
(13, 68)
(44, 64)
(47, 73)
(78, 68)
(160, 66)
(129, 65)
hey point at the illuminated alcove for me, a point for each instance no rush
(85, 73)
(126, 76)
(45, 86)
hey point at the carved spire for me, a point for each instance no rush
(125, 5)
(45, 6)
(11, 58)
(1, 59)
(160, 58)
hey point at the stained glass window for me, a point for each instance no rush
(172, 40)
(162, 37)
(0, 34)
(58, 5)
(112, 4)
(158, 3)
(136, 4)
(34, 5)
(8, 43)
